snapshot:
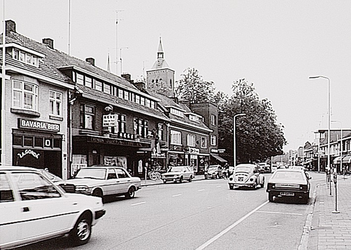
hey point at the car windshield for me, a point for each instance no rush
(212, 168)
(289, 175)
(242, 169)
(177, 169)
(91, 173)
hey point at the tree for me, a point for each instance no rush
(258, 136)
(193, 88)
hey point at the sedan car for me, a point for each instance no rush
(290, 183)
(34, 209)
(178, 173)
(213, 171)
(105, 180)
(246, 175)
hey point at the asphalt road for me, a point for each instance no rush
(197, 215)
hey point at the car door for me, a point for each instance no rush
(44, 209)
(123, 180)
(112, 182)
(10, 227)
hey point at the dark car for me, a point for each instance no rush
(214, 172)
(289, 183)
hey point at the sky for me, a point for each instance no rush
(274, 44)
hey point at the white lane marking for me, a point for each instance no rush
(216, 237)
(270, 212)
(200, 190)
(139, 203)
(176, 195)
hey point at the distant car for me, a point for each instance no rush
(34, 209)
(178, 173)
(105, 180)
(246, 175)
(213, 172)
(289, 183)
(264, 167)
(274, 168)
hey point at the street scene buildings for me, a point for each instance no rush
(64, 113)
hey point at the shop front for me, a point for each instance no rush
(37, 144)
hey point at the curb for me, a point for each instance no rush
(308, 224)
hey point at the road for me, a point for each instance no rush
(198, 215)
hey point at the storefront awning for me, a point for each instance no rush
(218, 158)
(346, 159)
(337, 160)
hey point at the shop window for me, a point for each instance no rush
(18, 140)
(57, 143)
(28, 141)
(38, 142)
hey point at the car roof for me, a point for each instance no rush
(246, 165)
(17, 168)
(102, 166)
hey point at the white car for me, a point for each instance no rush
(246, 175)
(33, 209)
(105, 180)
(179, 173)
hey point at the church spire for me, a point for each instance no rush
(160, 53)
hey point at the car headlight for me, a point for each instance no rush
(83, 189)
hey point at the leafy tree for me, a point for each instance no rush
(193, 88)
(258, 136)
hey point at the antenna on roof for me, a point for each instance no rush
(117, 57)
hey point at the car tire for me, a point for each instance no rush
(164, 181)
(191, 178)
(231, 187)
(98, 193)
(181, 179)
(270, 197)
(81, 232)
(130, 193)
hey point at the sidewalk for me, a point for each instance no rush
(158, 182)
(330, 230)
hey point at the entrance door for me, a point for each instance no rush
(52, 161)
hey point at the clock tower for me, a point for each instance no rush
(161, 78)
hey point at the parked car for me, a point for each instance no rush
(69, 188)
(290, 183)
(178, 173)
(264, 167)
(246, 175)
(34, 209)
(105, 180)
(214, 171)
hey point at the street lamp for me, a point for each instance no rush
(234, 139)
(315, 77)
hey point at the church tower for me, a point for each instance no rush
(161, 78)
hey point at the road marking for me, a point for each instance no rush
(216, 237)
(270, 212)
(200, 190)
(176, 195)
(139, 203)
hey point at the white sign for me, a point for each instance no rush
(109, 120)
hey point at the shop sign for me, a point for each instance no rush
(109, 120)
(28, 152)
(38, 125)
(193, 150)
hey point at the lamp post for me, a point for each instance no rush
(315, 77)
(335, 174)
(234, 138)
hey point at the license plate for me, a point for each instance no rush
(240, 179)
(286, 194)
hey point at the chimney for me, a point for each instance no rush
(127, 77)
(49, 42)
(90, 60)
(10, 26)
(140, 85)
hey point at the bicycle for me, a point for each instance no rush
(154, 175)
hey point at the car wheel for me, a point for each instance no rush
(231, 187)
(130, 193)
(191, 178)
(181, 179)
(270, 197)
(164, 181)
(98, 193)
(81, 232)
